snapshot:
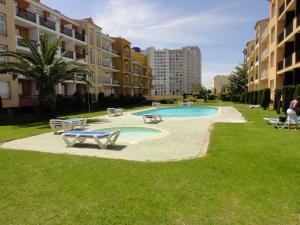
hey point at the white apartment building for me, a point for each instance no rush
(160, 64)
(175, 71)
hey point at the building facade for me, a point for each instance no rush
(82, 41)
(220, 82)
(175, 71)
(277, 47)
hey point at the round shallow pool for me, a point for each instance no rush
(134, 134)
(181, 111)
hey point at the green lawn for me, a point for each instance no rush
(251, 175)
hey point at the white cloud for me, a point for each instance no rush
(149, 23)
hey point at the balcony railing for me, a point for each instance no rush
(265, 33)
(288, 2)
(66, 31)
(21, 43)
(281, 37)
(264, 54)
(80, 37)
(80, 56)
(264, 74)
(280, 65)
(115, 82)
(67, 54)
(109, 65)
(47, 23)
(25, 14)
(281, 9)
(298, 20)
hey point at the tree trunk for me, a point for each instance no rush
(47, 101)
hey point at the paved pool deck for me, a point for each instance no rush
(180, 139)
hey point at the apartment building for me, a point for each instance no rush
(100, 58)
(134, 75)
(277, 48)
(175, 71)
(220, 82)
(249, 59)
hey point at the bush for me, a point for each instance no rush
(225, 97)
(297, 91)
(255, 98)
(211, 97)
(191, 99)
(167, 101)
(1, 104)
(248, 98)
(266, 98)
(287, 96)
(243, 97)
(260, 95)
(77, 101)
(277, 100)
(63, 104)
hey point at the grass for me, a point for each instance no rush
(251, 175)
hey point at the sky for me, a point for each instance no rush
(220, 28)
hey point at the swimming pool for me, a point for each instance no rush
(134, 134)
(181, 111)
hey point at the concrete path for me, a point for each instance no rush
(181, 138)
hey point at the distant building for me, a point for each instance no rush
(220, 81)
(175, 71)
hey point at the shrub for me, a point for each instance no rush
(184, 95)
(260, 95)
(255, 98)
(297, 91)
(248, 97)
(63, 103)
(77, 101)
(1, 104)
(266, 98)
(211, 97)
(277, 100)
(225, 97)
(191, 99)
(287, 96)
(167, 101)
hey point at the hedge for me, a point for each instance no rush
(297, 91)
(287, 96)
(255, 98)
(260, 96)
(265, 98)
(243, 97)
(277, 100)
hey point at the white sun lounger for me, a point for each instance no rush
(153, 118)
(102, 138)
(156, 104)
(186, 103)
(67, 125)
(277, 123)
(115, 112)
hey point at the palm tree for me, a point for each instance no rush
(43, 65)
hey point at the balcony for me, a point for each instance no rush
(81, 57)
(288, 61)
(281, 37)
(280, 65)
(67, 54)
(26, 15)
(47, 23)
(289, 29)
(80, 36)
(297, 57)
(66, 31)
(298, 20)
(264, 74)
(21, 43)
(264, 55)
(265, 34)
(109, 66)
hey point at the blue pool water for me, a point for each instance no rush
(132, 134)
(181, 111)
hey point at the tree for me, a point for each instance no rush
(238, 81)
(43, 65)
(201, 90)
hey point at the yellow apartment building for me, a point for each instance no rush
(250, 58)
(141, 72)
(277, 48)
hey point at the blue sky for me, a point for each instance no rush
(219, 27)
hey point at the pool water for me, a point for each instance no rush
(181, 111)
(134, 134)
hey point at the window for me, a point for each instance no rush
(3, 1)
(91, 37)
(98, 58)
(273, 34)
(92, 60)
(4, 89)
(98, 40)
(272, 59)
(2, 25)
